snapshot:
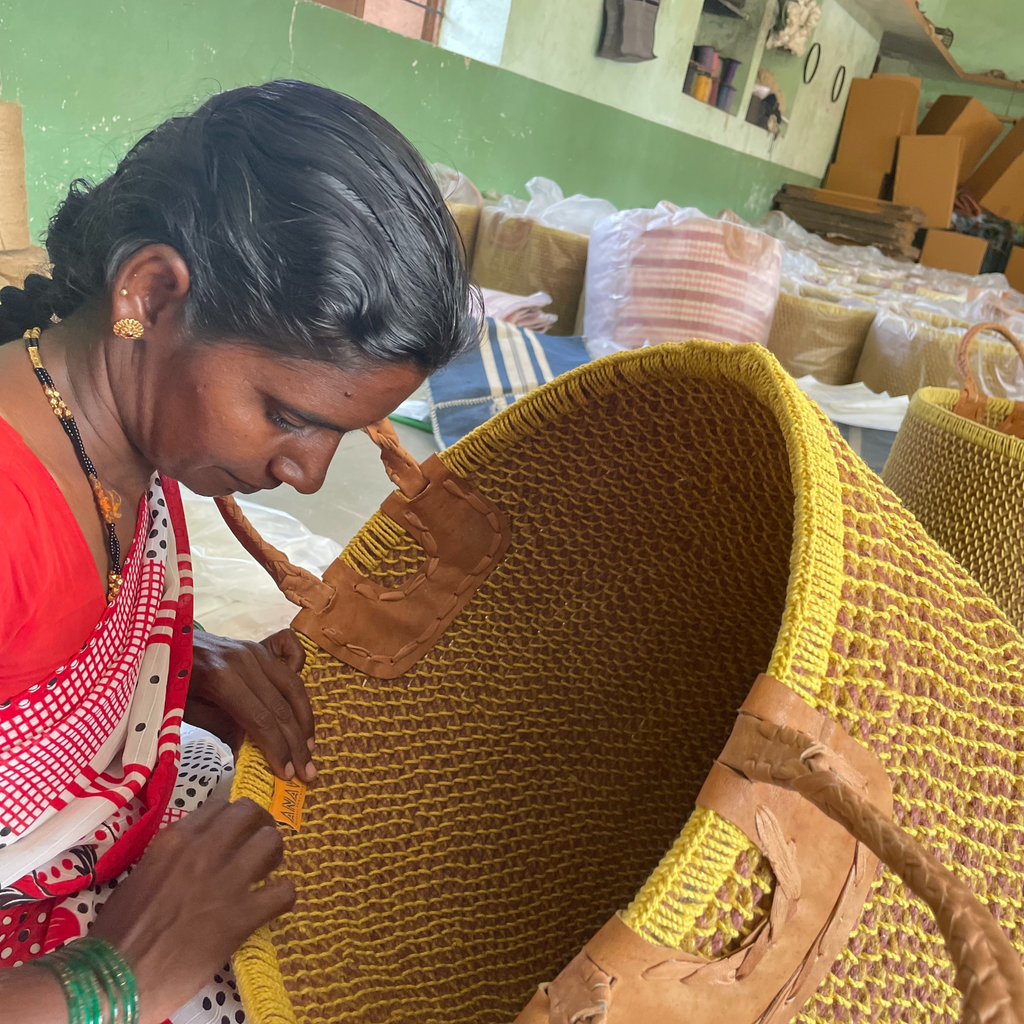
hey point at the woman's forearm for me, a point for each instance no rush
(31, 995)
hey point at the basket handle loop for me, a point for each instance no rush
(299, 585)
(783, 766)
(988, 969)
(384, 630)
(972, 401)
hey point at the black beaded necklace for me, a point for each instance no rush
(106, 504)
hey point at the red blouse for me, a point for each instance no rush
(51, 595)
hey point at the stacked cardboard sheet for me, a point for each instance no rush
(857, 220)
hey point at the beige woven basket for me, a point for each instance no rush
(958, 464)
(917, 348)
(518, 255)
(821, 338)
(467, 220)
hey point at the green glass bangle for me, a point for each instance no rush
(78, 985)
(116, 977)
(87, 969)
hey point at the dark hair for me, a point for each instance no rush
(309, 225)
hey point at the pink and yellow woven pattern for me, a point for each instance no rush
(683, 518)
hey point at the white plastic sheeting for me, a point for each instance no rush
(234, 596)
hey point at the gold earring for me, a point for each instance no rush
(124, 291)
(128, 329)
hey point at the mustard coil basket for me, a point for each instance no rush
(958, 464)
(709, 670)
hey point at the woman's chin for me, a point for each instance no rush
(215, 483)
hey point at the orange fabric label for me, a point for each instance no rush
(286, 806)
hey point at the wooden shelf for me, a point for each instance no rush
(908, 35)
(999, 83)
(725, 9)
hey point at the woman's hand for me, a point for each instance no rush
(190, 902)
(240, 688)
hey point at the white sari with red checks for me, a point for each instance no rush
(104, 730)
(91, 760)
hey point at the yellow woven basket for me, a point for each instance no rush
(824, 339)
(958, 465)
(682, 519)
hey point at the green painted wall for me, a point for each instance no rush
(555, 42)
(93, 76)
(987, 34)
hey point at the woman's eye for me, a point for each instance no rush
(283, 424)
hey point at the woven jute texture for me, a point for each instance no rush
(518, 255)
(965, 482)
(682, 518)
(17, 264)
(811, 336)
(14, 233)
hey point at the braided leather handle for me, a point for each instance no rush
(299, 585)
(988, 969)
(972, 401)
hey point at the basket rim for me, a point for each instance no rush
(935, 407)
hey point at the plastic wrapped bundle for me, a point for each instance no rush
(672, 274)
(464, 201)
(917, 348)
(823, 339)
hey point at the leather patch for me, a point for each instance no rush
(384, 631)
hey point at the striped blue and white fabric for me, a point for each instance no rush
(509, 363)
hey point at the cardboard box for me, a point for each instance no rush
(947, 250)
(998, 183)
(879, 110)
(1015, 268)
(926, 175)
(969, 119)
(855, 179)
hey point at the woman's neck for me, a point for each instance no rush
(90, 368)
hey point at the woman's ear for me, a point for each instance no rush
(151, 287)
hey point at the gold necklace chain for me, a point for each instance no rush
(107, 503)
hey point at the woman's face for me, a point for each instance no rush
(231, 417)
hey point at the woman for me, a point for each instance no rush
(253, 281)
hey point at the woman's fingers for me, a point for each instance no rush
(262, 851)
(290, 685)
(267, 717)
(257, 685)
(286, 646)
(269, 901)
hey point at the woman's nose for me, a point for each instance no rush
(305, 468)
